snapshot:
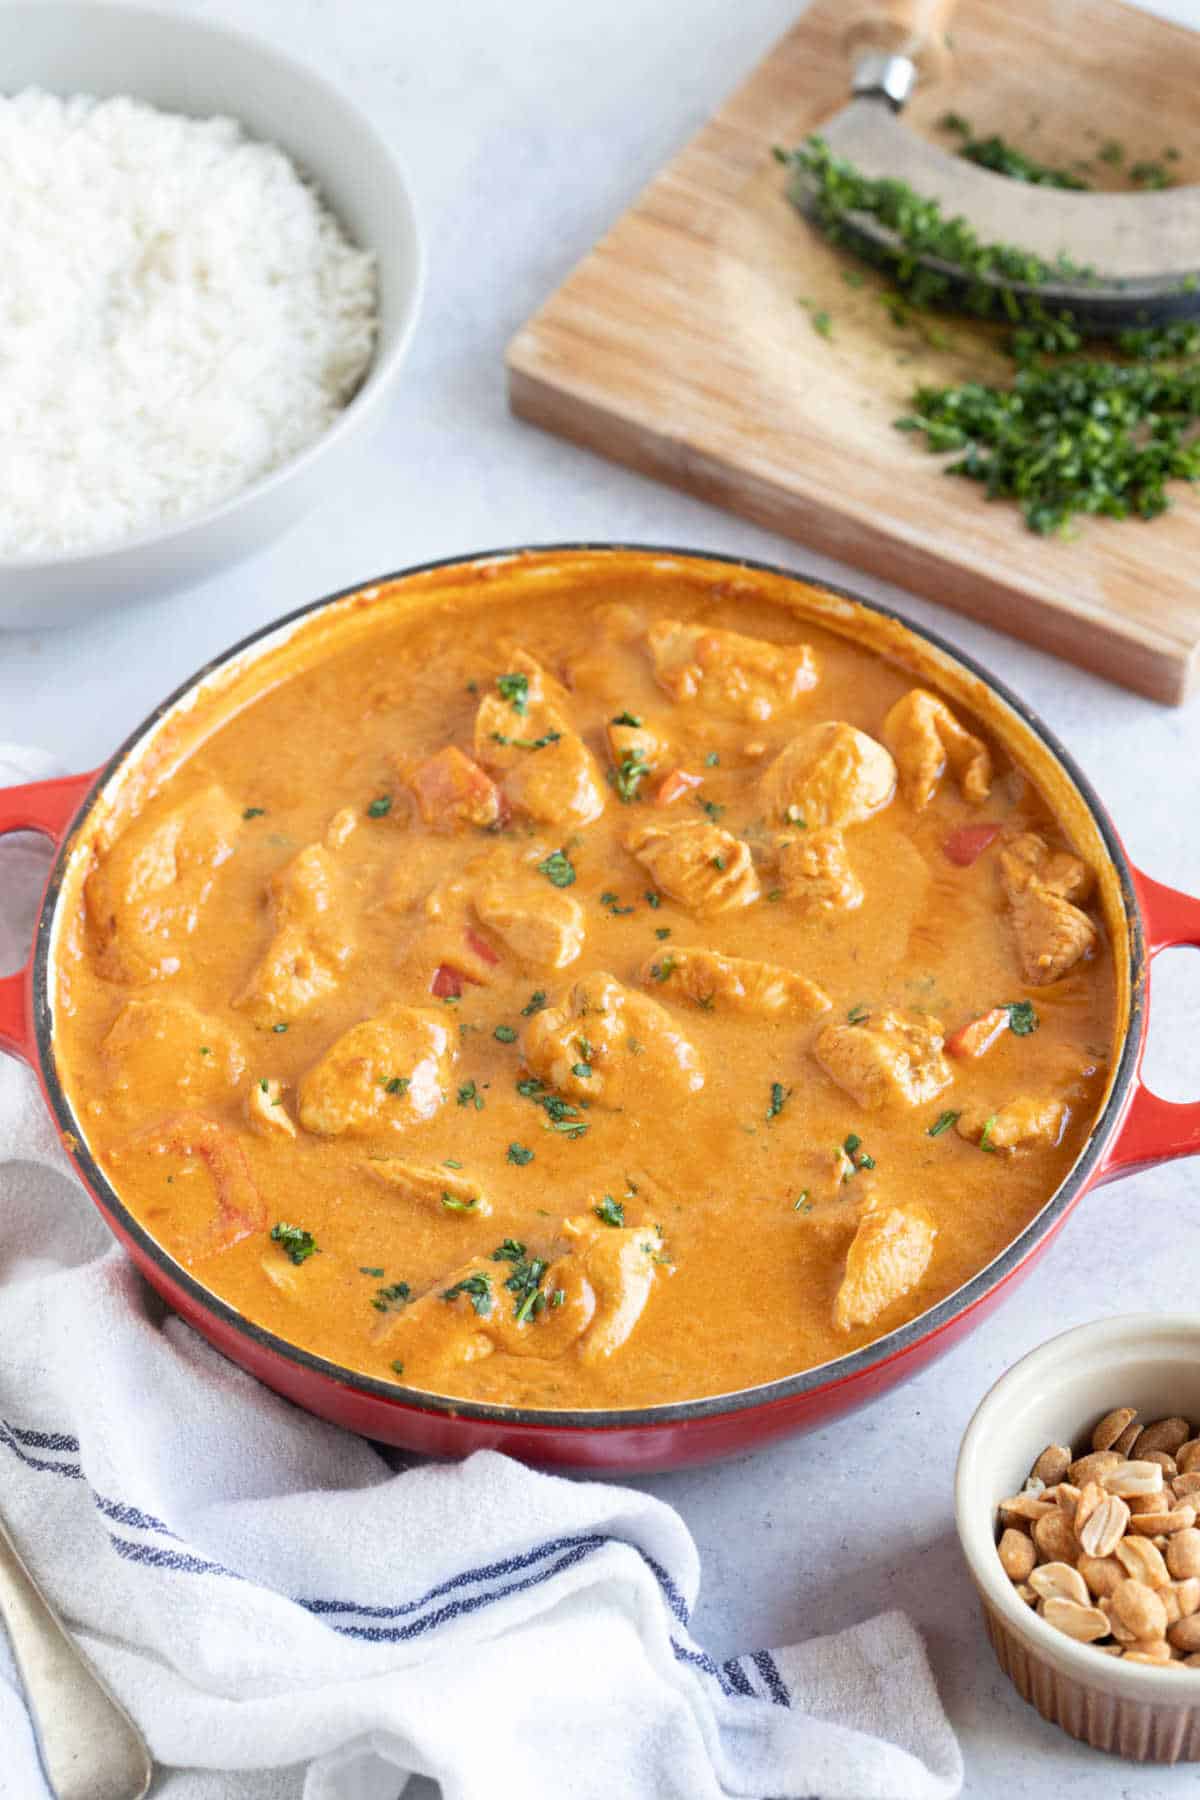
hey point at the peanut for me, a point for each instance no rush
(1133, 1478)
(1090, 1496)
(1154, 1653)
(1091, 1468)
(1153, 1525)
(1166, 1463)
(1017, 1554)
(1059, 1580)
(1187, 1592)
(1128, 1438)
(1164, 1434)
(1111, 1426)
(1025, 1506)
(1183, 1553)
(1052, 1464)
(1106, 1527)
(1101, 1574)
(1055, 1539)
(1139, 1609)
(1187, 1457)
(1083, 1623)
(1141, 1560)
(1185, 1634)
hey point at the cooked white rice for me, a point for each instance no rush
(179, 314)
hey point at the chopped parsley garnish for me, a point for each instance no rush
(662, 971)
(611, 901)
(397, 1368)
(469, 1095)
(943, 1122)
(778, 1095)
(265, 1085)
(985, 1140)
(859, 1158)
(1022, 1018)
(380, 807)
(524, 1283)
(537, 1000)
(399, 1084)
(254, 812)
(279, 1028)
(1003, 158)
(718, 862)
(561, 1115)
(795, 817)
(478, 1289)
(504, 1034)
(514, 689)
(582, 1071)
(204, 1050)
(610, 1211)
(450, 1163)
(629, 775)
(712, 760)
(558, 1296)
(857, 1014)
(652, 899)
(711, 807)
(627, 718)
(775, 894)
(558, 869)
(297, 1244)
(511, 1250)
(364, 1270)
(454, 1205)
(551, 737)
(391, 1299)
(519, 1154)
(662, 931)
(852, 1143)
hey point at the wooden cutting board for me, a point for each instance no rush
(681, 347)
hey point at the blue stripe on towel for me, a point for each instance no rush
(776, 1687)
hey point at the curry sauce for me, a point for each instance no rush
(589, 999)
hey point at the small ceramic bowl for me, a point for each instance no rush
(191, 65)
(1054, 1396)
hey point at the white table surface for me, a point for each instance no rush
(526, 126)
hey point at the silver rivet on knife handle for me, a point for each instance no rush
(879, 72)
(91, 1749)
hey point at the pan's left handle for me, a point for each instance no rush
(47, 807)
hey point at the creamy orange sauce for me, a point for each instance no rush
(271, 884)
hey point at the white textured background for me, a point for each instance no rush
(526, 126)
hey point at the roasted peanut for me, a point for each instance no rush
(1052, 1464)
(1183, 1553)
(1165, 1524)
(1055, 1539)
(1143, 1561)
(1164, 1434)
(1083, 1623)
(1106, 1527)
(1139, 1609)
(1101, 1573)
(1185, 1634)
(1092, 1467)
(1059, 1580)
(1133, 1478)
(1017, 1554)
(1111, 1426)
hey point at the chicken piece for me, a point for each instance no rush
(924, 737)
(1019, 1125)
(452, 791)
(311, 943)
(735, 984)
(815, 871)
(341, 828)
(890, 1253)
(198, 1143)
(887, 1056)
(539, 924)
(1052, 935)
(145, 897)
(160, 1052)
(831, 774)
(385, 1074)
(441, 1189)
(621, 1265)
(265, 1112)
(610, 1045)
(523, 732)
(745, 676)
(706, 869)
(1027, 858)
(632, 748)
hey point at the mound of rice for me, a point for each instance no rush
(179, 314)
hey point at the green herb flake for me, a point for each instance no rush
(520, 1155)
(629, 775)
(535, 1004)
(610, 1211)
(857, 1014)
(628, 718)
(397, 1368)
(985, 1139)
(380, 807)
(278, 1028)
(504, 1034)
(393, 1298)
(1022, 1018)
(558, 869)
(652, 899)
(943, 1122)
(469, 1095)
(514, 689)
(296, 1243)
(364, 1270)
(662, 931)
(452, 1204)
(775, 894)
(821, 323)
(662, 971)
(477, 1288)
(712, 760)
(254, 812)
(778, 1095)
(711, 807)
(398, 1084)
(582, 1071)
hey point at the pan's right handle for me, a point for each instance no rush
(47, 807)
(891, 43)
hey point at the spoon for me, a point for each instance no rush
(91, 1749)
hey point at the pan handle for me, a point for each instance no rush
(1155, 1130)
(48, 807)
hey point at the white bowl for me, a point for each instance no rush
(191, 66)
(1054, 1396)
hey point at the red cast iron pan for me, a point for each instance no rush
(1135, 1130)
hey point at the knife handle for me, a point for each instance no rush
(91, 1749)
(914, 29)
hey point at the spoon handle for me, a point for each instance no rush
(91, 1749)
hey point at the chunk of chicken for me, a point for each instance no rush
(745, 676)
(890, 1253)
(1018, 1125)
(310, 945)
(451, 791)
(735, 984)
(443, 1190)
(1028, 858)
(538, 923)
(161, 1052)
(341, 828)
(924, 737)
(831, 774)
(634, 747)
(1052, 935)
(145, 897)
(888, 1056)
(265, 1112)
(815, 871)
(523, 731)
(706, 869)
(621, 1265)
(385, 1074)
(189, 1143)
(610, 1045)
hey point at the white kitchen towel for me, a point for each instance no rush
(286, 1615)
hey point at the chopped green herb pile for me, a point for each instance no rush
(297, 1245)
(519, 1154)
(525, 1281)
(998, 154)
(629, 775)
(561, 1115)
(380, 807)
(558, 869)
(477, 1288)
(391, 1299)
(1022, 1018)
(514, 689)
(610, 1211)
